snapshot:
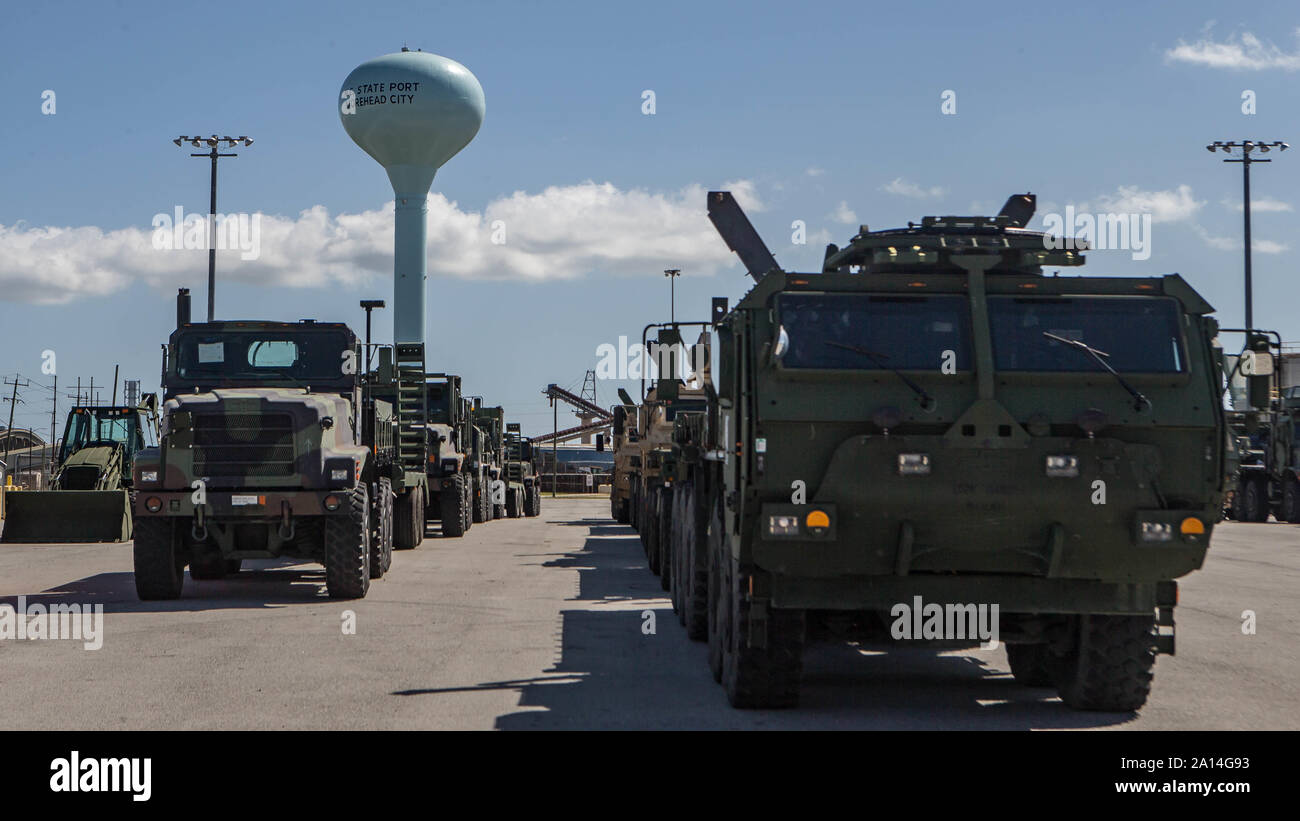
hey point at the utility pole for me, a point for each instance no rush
(114, 400)
(54, 418)
(13, 403)
(1246, 147)
(212, 142)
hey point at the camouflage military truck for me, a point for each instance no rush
(489, 455)
(931, 421)
(627, 458)
(271, 446)
(522, 486)
(652, 481)
(451, 467)
(1265, 433)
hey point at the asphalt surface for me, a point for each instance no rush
(538, 624)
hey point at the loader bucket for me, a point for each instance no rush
(67, 516)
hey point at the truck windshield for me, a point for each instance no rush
(265, 354)
(1137, 334)
(836, 331)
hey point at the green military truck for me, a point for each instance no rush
(1266, 433)
(932, 419)
(272, 445)
(451, 467)
(489, 457)
(522, 488)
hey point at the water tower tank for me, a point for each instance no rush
(412, 111)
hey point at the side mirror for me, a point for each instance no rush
(600, 443)
(1257, 367)
(620, 420)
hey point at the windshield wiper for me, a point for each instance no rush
(927, 401)
(1138, 399)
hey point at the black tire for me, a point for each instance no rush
(477, 506)
(233, 566)
(451, 504)
(1290, 511)
(760, 677)
(381, 529)
(1254, 500)
(715, 601)
(1110, 667)
(633, 504)
(665, 531)
(159, 562)
(675, 526)
(694, 564)
(512, 503)
(535, 497)
(408, 520)
(1030, 664)
(486, 501)
(650, 530)
(620, 511)
(467, 508)
(347, 548)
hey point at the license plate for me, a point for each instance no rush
(243, 500)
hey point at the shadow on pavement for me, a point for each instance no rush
(612, 675)
(262, 583)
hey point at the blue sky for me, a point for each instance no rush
(826, 112)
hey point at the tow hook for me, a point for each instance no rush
(286, 521)
(199, 530)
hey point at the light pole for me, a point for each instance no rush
(1246, 147)
(212, 142)
(672, 274)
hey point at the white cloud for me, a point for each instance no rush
(1241, 52)
(1164, 206)
(1259, 246)
(563, 232)
(903, 188)
(844, 214)
(1264, 204)
(815, 171)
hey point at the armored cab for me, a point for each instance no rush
(932, 421)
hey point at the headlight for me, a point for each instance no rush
(913, 464)
(1157, 532)
(153, 504)
(1063, 467)
(783, 525)
(338, 475)
(148, 476)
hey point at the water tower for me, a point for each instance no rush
(412, 111)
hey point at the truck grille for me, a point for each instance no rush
(243, 444)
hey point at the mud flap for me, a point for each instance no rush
(67, 516)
